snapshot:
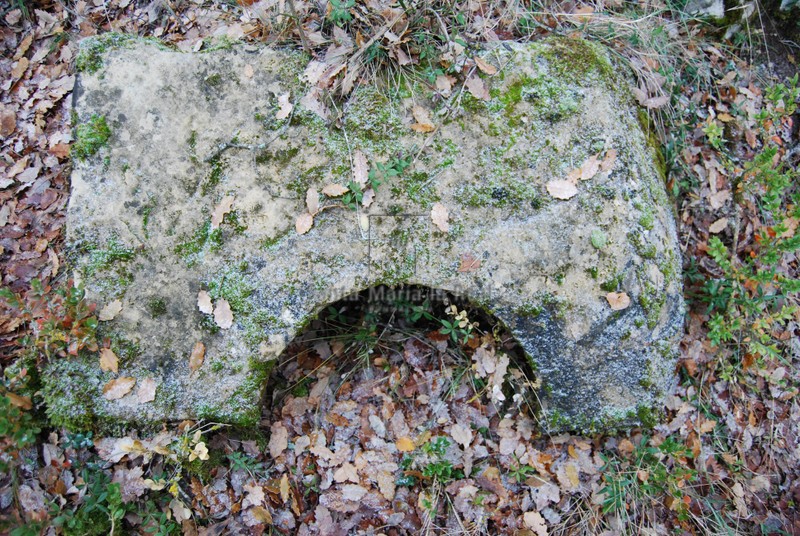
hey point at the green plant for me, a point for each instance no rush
(100, 511)
(61, 322)
(378, 174)
(340, 11)
(649, 473)
(18, 427)
(459, 328)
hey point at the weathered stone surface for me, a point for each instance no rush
(140, 224)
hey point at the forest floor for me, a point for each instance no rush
(339, 449)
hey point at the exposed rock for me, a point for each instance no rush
(188, 131)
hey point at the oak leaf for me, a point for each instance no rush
(146, 391)
(304, 223)
(118, 387)
(109, 361)
(220, 210)
(286, 107)
(110, 311)
(204, 302)
(197, 356)
(335, 190)
(223, 316)
(484, 66)
(562, 189)
(439, 216)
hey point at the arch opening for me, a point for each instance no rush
(392, 395)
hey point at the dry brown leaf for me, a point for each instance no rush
(360, 168)
(118, 387)
(304, 223)
(223, 316)
(20, 401)
(618, 300)
(109, 361)
(469, 263)
(444, 84)
(368, 197)
(561, 189)
(718, 226)
(278, 439)
(590, 167)
(204, 302)
(285, 488)
(19, 68)
(286, 107)
(477, 88)
(312, 201)
(487, 68)
(423, 120)
(110, 311)
(255, 495)
(335, 190)
(220, 210)
(461, 434)
(197, 356)
(346, 472)
(405, 444)
(147, 391)
(608, 161)
(535, 522)
(439, 216)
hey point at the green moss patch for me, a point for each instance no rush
(90, 137)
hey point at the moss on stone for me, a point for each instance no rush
(157, 307)
(92, 49)
(90, 137)
(190, 248)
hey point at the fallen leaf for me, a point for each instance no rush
(19, 69)
(304, 223)
(469, 263)
(335, 190)
(286, 107)
(444, 84)
(487, 68)
(608, 161)
(147, 391)
(221, 209)
(223, 316)
(561, 189)
(360, 168)
(312, 201)
(109, 361)
(200, 451)
(405, 444)
(423, 120)
(439, 216)
(618, 300)
(255, 495)
(477, 88)
(118, 387)
(718, 226)
(179, 510)
(535, 522)
(590, 168)
(461, 435)
(278, 439)
(248, 71)
(368, 197)
(197, 356)
(204, 302)
(346, 472)
(20, 401)
(110, 311)
(285, 488)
